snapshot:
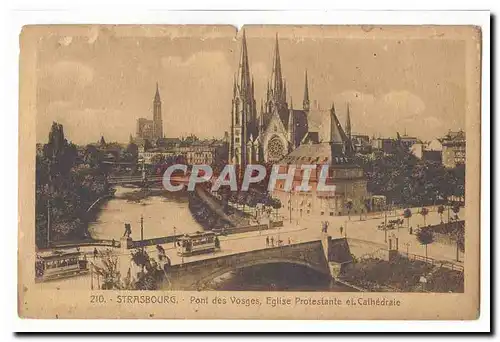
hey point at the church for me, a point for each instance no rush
(268, 134)
(291, 137)
(278, 129)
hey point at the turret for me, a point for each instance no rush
(306, 103)
(291, 125)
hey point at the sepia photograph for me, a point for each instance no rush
(299, 172)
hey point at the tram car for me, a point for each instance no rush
(60, 264)
(197, 243)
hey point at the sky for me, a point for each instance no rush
(98, 80)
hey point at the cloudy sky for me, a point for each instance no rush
(99, 80)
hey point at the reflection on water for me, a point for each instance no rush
(162, 212)
(276, 277)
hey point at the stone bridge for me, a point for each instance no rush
(321, 255)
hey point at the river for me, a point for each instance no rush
(161, 214)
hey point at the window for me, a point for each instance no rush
(331, 213)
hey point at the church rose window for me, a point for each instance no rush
(275, 149)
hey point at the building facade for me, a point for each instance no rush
(350, 195)
(453, 149)
(203, 152)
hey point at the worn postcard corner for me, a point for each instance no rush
(275, 172)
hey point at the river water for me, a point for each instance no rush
(164, 211)
(161, 214)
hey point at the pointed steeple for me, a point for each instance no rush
(348, 123)
(277, 78)
(244, 69)
(306, 102)
(157, 94)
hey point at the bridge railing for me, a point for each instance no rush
(450, 265)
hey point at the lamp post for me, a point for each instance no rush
(142, 232)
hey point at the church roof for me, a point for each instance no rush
(319, 121)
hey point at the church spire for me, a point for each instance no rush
(277, 79)
(157, 118)
(244, 70)
(348, 123)
(157, 94)
(306, 103)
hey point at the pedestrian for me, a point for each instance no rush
(411, 230)
(95, 253)
(272, 241)
(113, 243)
(267, 241)
(289, 241)
(341, 230)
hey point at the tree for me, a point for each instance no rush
(441, 211)
(109, 271)
(133, 151)
(424, 212)
(276, 204)
(459, 234)
(407, 215)
(425, 236)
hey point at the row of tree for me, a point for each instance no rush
(426, 234)
(64, 192)
(406, 180)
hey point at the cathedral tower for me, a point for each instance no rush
(276, 93)
(157, 119)
(243, 112)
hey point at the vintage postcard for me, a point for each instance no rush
(272, 172)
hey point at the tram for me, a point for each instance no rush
(199, 242)
(60, 264)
